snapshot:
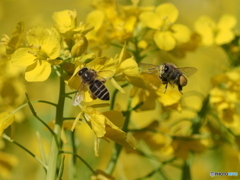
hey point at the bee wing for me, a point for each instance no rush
(188, 71)
(79, 96)
(148, 68)
(106, 74)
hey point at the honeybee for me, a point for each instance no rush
(169, 73)
(95, 85)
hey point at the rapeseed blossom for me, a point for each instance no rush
(7, 163)
(106, 125)
(212, 32)
(6, 119)
(151, 129)
(225, 98)
(166, 33)
(14, 42)
(105, 68)
(39, 55)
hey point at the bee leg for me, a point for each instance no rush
(92, 96)
(180, 88)
(165, 87)
(103, 80)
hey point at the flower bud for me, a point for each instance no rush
(80, 46)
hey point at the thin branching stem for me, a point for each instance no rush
(38, 118)
(79, 157)
(26, 150)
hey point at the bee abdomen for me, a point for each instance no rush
(99, 90)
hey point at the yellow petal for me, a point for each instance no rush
(117, 86)
(22, 57)
(181, 33)
(95, 19)
(164, 40)
(104, 127)
(205, 26)
(124, 54)
(96, 119)
(116, 117)
(142, 44)
(224, 36)
(151, 20)
(47, 39)
(39, 71)
(75, 81)
(6, 119)
(8, 162)
(65, 20)
(167, 12)
(129, 67)
(105, 66)
(169, 98)
(227, 22)
(15, 40)
(143, 96)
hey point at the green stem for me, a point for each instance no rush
(38, 118)
(74, 158)
(79, 157)
(137, 51)
(54, 158)
(186, 174)
(117, 150)
(25, 149)
(157, 170)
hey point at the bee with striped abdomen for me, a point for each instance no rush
(95, 85)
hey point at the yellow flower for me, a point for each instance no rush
(40, 55)
(152, 91)
(6, 119)
(105, 68)
(123, 28)
(185, 144)
(216, 33)
(66, 23)
(167, 34)
(225, 98)
(80, 46)
(98, 36)
(65, 20)
(170, 99)
(7, 163)
(127, 69)
(73, 33)
(120, 21)
(106, 125)
(156, 137)
(14, 42)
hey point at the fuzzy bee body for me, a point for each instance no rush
(169, 73)
(95, 86)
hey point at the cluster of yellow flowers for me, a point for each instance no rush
(69, 46)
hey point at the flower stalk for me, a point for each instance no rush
(55, 156)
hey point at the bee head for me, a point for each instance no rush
(82, 71)
(165, 68)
